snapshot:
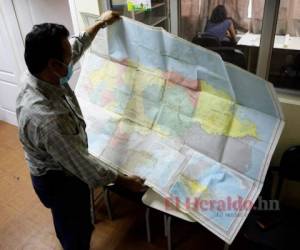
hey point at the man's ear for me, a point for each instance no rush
(52, 64)
(55, 66)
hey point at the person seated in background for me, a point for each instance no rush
(220, 26)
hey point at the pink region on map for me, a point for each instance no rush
(180, 80)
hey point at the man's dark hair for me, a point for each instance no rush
(219, 14)
(43, 42)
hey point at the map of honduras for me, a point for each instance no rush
(196, 128)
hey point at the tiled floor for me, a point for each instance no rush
(26, 224)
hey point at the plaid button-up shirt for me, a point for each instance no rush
(52, 128)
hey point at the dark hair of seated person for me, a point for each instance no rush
(219, 14)
(43, 42)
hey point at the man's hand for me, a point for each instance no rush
(133, 183)
(105, 19)
(109, 17)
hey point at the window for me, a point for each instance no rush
(285, 60)
(246, 16)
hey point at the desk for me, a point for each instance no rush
(281, 42)
(251, 40)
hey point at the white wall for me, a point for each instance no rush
(90, 6)
(291, 133)
(290, 137)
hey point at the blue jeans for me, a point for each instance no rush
(69, 200)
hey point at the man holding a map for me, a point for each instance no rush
(52, 131)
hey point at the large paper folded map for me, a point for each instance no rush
(200, 131)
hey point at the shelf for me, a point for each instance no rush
(157, 5)
(158, 15)
(157, 20)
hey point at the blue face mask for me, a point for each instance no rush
(65, 79)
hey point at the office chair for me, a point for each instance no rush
(206, 41)
(228, 54)
(227, 43)
(232, 55)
